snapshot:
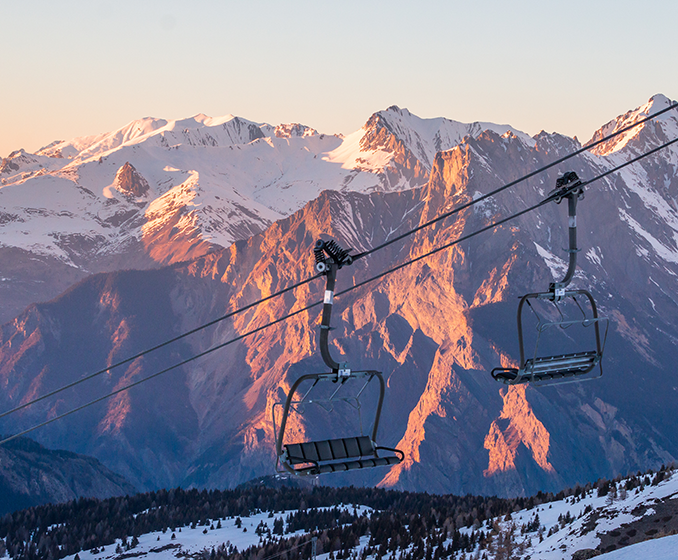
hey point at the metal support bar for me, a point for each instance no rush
(568, 186)
(324, 341)
(330, 257)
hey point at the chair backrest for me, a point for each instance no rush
(336, 455)
(330, 450)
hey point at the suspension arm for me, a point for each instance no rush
(329, 258)
(325, 322)
(568, 186)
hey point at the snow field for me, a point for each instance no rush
(201, 538)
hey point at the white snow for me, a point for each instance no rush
(568, 539)
(201, 538)
(556, 265)
(594, 255)
(669, 254)
(665, 548)
(227, 176)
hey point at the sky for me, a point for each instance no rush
(73, 68)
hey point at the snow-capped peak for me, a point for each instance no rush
(387, 131)
(89, 146)
(426, 137)
(294, 130)
(668, 122)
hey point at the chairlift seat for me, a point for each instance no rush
(549, 368)
(341, 454)
(573, 366)
(335, 455)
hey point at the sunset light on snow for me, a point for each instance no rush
(77, 68)
(323, 280)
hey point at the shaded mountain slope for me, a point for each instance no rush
(435, 328)
(31, 475)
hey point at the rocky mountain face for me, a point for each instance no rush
(31, 475)
(435, 328)
(157, 192)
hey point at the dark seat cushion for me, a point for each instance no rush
(335, 455)
(549, 368)
(329, 450)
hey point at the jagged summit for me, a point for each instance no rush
(294, 130)
(424, 137)
(665, 125)
(437, 327)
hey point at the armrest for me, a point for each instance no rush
(400, 454)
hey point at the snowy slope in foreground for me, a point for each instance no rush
(575, 527)
(186, 540)
(596, 522)
(665, 548)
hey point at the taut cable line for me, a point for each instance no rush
(439, 218)
(347, 290)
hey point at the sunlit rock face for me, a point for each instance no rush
(159, 192)
(130, 182)
(435, 328)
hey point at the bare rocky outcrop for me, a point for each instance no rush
(585, 554)
(293, 130)
(436, 328)
(130, 182)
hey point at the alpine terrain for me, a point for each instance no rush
(625, 518)
(217, 213)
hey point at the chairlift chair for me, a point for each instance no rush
(310, 458)
(552, 367)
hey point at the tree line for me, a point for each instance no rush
(419, 526)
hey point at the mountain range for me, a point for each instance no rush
(31, 475)
(216, 213)
(157, 192)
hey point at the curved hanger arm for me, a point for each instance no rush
(568, 186)
(324, 342)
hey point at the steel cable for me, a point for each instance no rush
(360, 255)
(347, 290)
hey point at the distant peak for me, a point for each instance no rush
(660, 99)
(655, 104)
(294, 130)
(50, 145)
(404, 112)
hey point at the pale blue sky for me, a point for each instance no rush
(74, 67)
